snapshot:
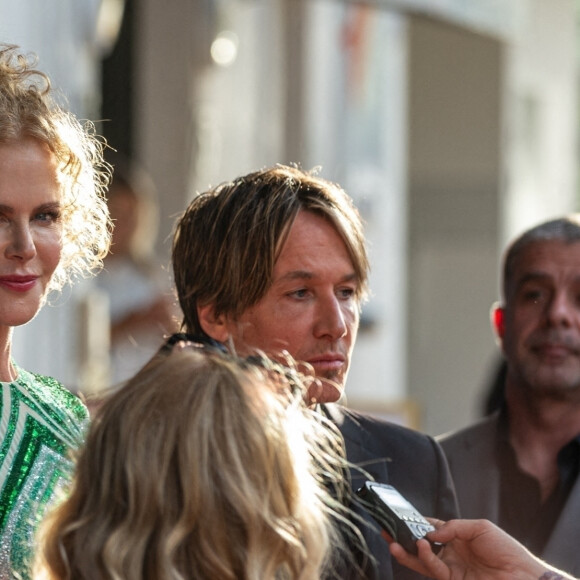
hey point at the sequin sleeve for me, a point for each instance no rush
(41, 423)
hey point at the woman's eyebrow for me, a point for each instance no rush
(42, 207)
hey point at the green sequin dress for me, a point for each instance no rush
(40, 423)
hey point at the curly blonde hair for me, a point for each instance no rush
(28, 110)
(203, 466)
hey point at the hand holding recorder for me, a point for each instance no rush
(454, 550)
(474, 550)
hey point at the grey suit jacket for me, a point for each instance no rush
(406, 459)
(471, 456)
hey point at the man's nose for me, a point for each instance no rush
(560, 310)
(330, 321)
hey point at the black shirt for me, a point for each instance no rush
(522, 513)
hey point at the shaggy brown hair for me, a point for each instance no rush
(229, 238)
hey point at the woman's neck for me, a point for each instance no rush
(7, 371)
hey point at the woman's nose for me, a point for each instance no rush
(21, 244)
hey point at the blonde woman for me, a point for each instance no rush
(53, 226)
(202, 466)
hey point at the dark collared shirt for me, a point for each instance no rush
(522, 513)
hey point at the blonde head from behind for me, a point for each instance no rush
(202, 467)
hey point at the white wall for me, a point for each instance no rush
(493, 128)
(541, 119)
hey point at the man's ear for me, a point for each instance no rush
(498, 320)
(214, 326)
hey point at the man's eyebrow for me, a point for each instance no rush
(532, 277)
(352, 277)
(296, 275)
(538, 277)
(307, 275)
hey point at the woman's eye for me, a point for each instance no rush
(47, 216)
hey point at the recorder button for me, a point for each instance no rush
(420, 530)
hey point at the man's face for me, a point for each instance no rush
(541, 339)
(311, 310)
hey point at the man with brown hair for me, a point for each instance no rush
(276, 261)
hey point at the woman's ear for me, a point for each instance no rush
(498, 320)
(214, 326)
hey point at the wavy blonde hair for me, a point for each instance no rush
(28, 110)
(203, 466)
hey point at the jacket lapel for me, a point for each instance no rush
(475, 471)
(562, 548)
(361, 449)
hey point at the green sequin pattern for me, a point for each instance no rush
(41, 422)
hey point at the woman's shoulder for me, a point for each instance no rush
(53, 395)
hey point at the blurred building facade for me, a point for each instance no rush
(452, 124)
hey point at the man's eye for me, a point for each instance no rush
(346, 293)
(300, 293)
(533, 296)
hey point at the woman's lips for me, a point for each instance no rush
(18, 283)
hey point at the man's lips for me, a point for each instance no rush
(18, 283)
(327, 362)
(555, 351)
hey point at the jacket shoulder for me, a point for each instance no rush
(380, 435)
(468, 438)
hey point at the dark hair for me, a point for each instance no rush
(565, 229)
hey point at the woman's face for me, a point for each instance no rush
(30, 228)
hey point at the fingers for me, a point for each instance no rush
(447, 531)
(426, 562)
(406, 559)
